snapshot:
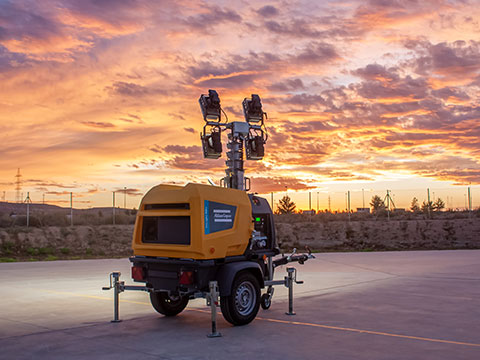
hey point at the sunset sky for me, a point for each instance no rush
(96, 96)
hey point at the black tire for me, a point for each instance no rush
(168, 305)
(241, 306)
(265, 302)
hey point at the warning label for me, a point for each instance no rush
(218, 216)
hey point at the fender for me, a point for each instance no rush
(226, 274)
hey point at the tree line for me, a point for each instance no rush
(287, 206)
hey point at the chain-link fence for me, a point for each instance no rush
(454, 198)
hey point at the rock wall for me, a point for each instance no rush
(51, 243)
(54, 242)
(381, 235)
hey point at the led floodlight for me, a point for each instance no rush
(252, 109)
(212, 143)
(210, 106)
(254, 146)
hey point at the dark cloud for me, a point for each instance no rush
(306, 101)
(129, 191)
(112, 11)
(303, 102)
(377, 72)
(275, 184)
(133, 90)
(234, 71)
(95, 124)
(459, 58)
(182, 150)
(133, 116)
(386, 13)
(132, 119)
(315, 27)
(407, 88)
(182, 157)
(306, 127)
(177, 116)
(10, 60)
(268, 11)
(20, 22)
(231, 64)
(190, 130)
(213, 15)
(195, 161)
(450, 92)
(459, 55)
(237, 111)
(381, 83)
(46, 184)
(316, 52)
(287, 85)
(156, 149)
(230, 82)
(296, 28)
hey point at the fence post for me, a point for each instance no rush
(348, 205)
(428, 201)
(113, 207)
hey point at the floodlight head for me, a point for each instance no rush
(210, 106)
(254, 145)
(252, 109)
(212, 143)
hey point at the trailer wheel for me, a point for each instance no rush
(266, 301)
(241, 306)
(168, 305)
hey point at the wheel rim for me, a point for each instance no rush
(245, 298)
(173, 300)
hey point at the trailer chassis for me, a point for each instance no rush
(212, 296)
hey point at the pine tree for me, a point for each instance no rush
(427, 207)
(286, 205)
(414, 205)
(377, 204)
(438, 205)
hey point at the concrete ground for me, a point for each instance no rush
(390, 305)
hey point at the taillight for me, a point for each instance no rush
(138, 273)
(186, 277)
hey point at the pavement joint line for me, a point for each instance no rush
(345, 285)
(288, 322)
(93, 297)
(359, 267)
(401, 275)
(369, 332)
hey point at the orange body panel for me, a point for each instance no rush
(230, 242)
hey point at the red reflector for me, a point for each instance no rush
(186, 277)
(138, 273)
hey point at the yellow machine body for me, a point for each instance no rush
(196, 202)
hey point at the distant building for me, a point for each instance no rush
(399, 210)
(363, 210)
(308, 212)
